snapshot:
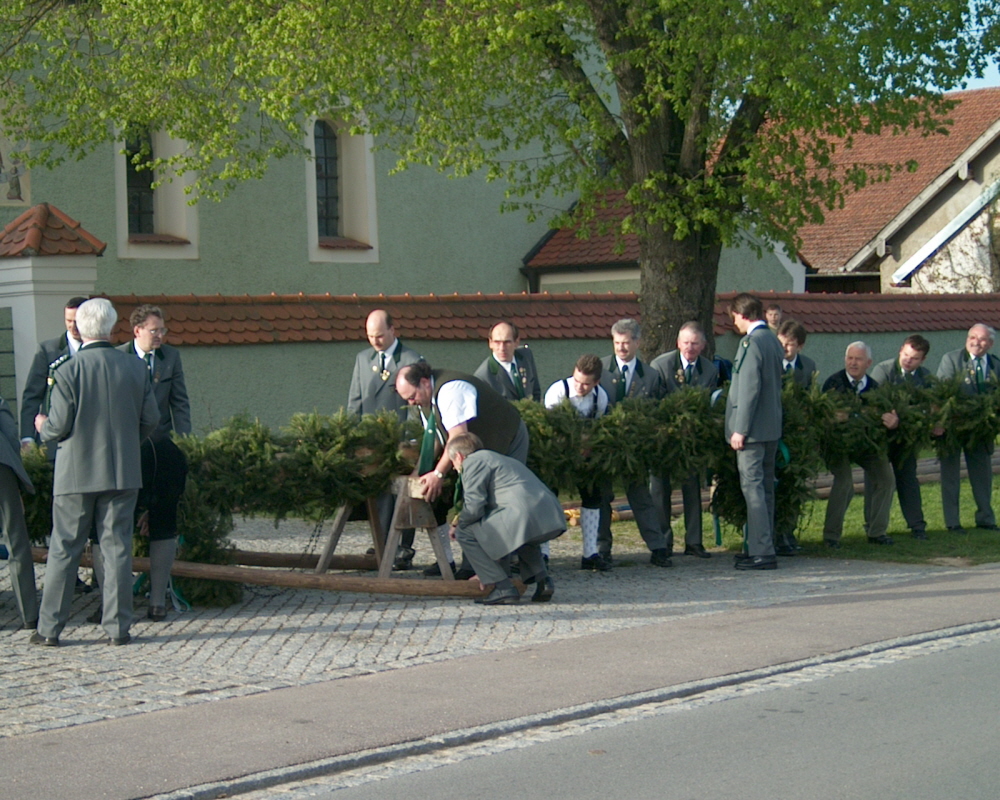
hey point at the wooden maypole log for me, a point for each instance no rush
(299, 580)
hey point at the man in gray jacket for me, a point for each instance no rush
(908, 367)
(976, 371)
(164, 467)
(684, 367)
(753, 426)
(102, 407)
(624, 375)
(510, 368)
(506, 509)
(13, 478)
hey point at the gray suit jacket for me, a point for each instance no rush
(506, 505)
(368, 392)
(499, 379)
(956, 365)
(753, 407)
(645, 383)
(34, 387)
(804, 372)
(888, 372)
(10, 446)
(669, 366)
(102, 408)
(168, 388)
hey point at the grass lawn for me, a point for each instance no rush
(942, 547)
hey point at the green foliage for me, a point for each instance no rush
(38, 506)
(319, 462)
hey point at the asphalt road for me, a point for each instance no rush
(913, 724)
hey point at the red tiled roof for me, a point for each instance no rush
(44, 230)
(565, 248)
(829, 246)
(275, 319)
(875, 313)
(265, 319)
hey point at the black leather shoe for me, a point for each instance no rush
(920, 535)
(501, 597)
(463, 573)
(988, 527)
(595, 563)
(831, 544)
(119, 642)
(157, 613)
(404, 559)
(45, 641)
(544, 591)
(758, 562)
(784, 550)
(30, 626)
(696, 550)
(660, 558)
(957, 529)
(880, 540)
(434, 570)
(741, 557)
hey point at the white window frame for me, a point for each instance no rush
(357, 208)
(171, 213)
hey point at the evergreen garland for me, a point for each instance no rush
(318, 462)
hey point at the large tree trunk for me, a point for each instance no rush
(678, 279)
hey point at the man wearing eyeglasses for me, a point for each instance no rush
(164, 467)
(510, 369)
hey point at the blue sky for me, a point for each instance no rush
(991, 78)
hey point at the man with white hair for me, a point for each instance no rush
(977, 371)
(879, 478)
(101, 408)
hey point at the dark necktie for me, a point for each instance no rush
(980, 375)
(623, 383)
(148, 358)
(515, 379)
(689, 374)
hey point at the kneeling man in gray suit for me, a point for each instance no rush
(506, 510)
(102, 407)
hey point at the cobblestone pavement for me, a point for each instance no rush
(276, 638)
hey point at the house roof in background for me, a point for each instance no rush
(44, 230)
(274, 319)
(831, 246)
(845, 231)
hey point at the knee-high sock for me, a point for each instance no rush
(546, 549)
(590, 520)
(161, 560)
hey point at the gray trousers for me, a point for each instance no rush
(647, 518)
(978, 463)
(660, 489)
(908, 492)
(15, 536)
(72, 518)
(490, 570)
(755, 463)
(879, 486)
